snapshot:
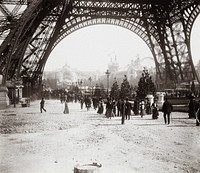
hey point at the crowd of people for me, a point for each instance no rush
(124, 108)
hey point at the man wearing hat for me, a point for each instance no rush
(167, 109)
(192, 106)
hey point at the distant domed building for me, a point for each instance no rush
(67, 75)
(132, 70)
(113, 66)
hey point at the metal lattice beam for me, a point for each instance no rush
(165, 26)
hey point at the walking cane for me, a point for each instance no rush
(171, 117)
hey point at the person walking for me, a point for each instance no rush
(88, 103)
(136, 107)
(66, 109)
(119, 107)
(192, 106)
(42, 105)
(142, 109)
(82, 102)
(95, 102)
(155, 112)
(128, 107)
(148, 106)
(109, 108)
(167, 109)
(123, 112)
(100, 107)
(114, 106)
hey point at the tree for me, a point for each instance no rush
(114, 93)
(102, 91)
(97, 91)
(125, 88)
(145, 85)
(140, 92)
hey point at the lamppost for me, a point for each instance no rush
(107, 74)
(90, 79)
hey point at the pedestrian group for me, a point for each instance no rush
(123, 108)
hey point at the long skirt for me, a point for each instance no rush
(109, 113)
(155, 113)
(100, 110)
(66, 110)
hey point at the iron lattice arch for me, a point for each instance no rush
(164, 26)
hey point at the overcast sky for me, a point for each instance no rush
(91, 48)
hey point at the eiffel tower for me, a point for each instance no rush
(31, 29)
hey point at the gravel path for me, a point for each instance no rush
(53, 142)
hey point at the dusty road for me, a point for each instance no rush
(53, 142)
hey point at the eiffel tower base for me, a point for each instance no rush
(4, 100)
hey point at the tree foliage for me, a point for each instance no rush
(114, 93)
(145, 85)
(125, 88)
(102, 91)
(97, 91)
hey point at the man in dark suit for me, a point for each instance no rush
(119, 107)
(128, 107)
(167, 109)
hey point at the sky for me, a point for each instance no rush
(91, 48)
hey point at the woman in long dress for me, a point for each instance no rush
(100, 109)
(66, 110)
(155, 113)
(109, 108)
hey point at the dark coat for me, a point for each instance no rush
(193, 106)
(120, 105)
(109, 105)
(167, 107)
(42, 103)
(100, 109)
(128, 107)
(136, 107)
(109, 108)
(155, 112)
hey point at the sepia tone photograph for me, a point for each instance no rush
(99, 86)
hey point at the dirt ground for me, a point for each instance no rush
(53, 142)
